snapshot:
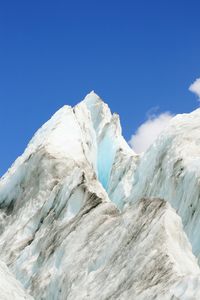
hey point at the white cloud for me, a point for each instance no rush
(195, 87)
(148, 131)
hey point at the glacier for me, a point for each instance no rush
(82, 216)
(170, 170)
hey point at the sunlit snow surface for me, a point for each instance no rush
(73, 220)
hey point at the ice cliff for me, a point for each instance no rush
(83, 217)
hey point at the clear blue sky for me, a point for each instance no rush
(135, 54)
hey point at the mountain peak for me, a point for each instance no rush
(92, 98)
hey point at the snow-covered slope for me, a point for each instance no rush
(65, 232)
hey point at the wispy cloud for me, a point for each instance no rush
(148, 131)
(195, 87)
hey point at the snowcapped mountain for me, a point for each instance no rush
(83, 217)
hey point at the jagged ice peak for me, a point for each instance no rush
(83, 217)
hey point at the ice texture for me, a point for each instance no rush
(170, 170)
(10, 288)
(83, 217)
